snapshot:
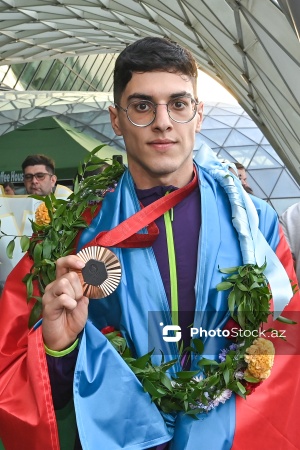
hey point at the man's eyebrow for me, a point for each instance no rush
(181, 94)
(140, 96)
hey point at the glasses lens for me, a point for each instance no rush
(182, 109)
(39, 176)
(141, 112)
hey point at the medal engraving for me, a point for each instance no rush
(102, 272)
(94, 272)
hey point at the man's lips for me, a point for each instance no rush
(162, 144)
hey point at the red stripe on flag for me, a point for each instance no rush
(27, 418)
(269, 418)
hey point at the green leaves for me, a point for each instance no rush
(249, 297)
(242, 389)
(153, 391)
(25, 242)
(165, 380)
(141, 362)
(286, 320)
(198, 346)
(186, 375)
(35, 313)
(251, 379)
(229, 270)
(191, 393)
(10, 248)
(53, 240)
(207, 362)
(224, 286)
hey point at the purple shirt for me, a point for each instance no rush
(186, 226)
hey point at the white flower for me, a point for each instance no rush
(239, 375)
(198, 378)
(222, 397)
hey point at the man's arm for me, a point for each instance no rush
(61, 374)
(64, 316)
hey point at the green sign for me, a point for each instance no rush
(12, 176)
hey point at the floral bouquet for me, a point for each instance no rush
(240, 368)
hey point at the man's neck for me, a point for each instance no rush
(149, 181)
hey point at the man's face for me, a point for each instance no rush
(38, 186)
(243, 177)
(8, 190)
(162, 152)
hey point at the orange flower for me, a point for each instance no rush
(42, 215)
(260, 358)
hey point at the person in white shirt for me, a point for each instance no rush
(290, 222)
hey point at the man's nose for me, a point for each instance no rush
(162, 119)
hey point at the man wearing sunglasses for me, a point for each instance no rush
(39, 178)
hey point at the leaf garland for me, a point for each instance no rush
(56, 239)
(189, 392)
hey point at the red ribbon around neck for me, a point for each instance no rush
(125, 234)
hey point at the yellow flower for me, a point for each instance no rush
(42, 215)
(260, 358)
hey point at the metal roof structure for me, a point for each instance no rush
(251, 47)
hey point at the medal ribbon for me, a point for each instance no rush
(125, 234)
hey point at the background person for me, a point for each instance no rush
(39, 174)
(242, 174)
(290, 222)
(9, 188)
(157, 112)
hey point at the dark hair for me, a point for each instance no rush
(239, 166)
(8, 183)
(39, 159)
(152, 54)
(248, 189)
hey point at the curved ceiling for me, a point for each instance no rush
(250, 46)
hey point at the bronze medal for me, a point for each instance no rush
(102, 272)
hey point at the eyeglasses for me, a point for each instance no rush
(142, 113)
(39, 176)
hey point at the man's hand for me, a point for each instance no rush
(65, 309)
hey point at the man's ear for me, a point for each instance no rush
(54, 180)
(199, 116)
(114, 119)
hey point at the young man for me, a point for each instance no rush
(173, 274)
(39, 177)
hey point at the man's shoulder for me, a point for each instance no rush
(62, 191)
(291, 212)
(262, 206)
